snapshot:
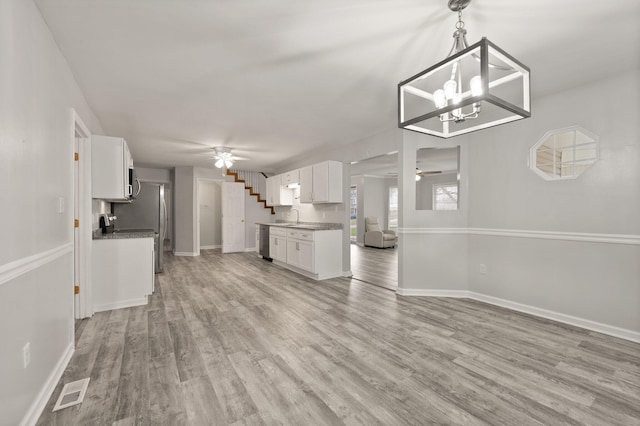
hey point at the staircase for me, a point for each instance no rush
(255, 182)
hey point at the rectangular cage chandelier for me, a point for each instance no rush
(475, 87)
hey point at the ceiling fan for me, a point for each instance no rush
(224, 157)
(420, 173)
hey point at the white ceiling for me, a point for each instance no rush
(277, 79)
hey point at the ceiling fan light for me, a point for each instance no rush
(228, 163)
(418, 177)
(219, 163)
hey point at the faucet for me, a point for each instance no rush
(298, 215)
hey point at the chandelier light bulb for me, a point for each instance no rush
(418, 177)
(450, 89)
(439, 98)
(476, 86)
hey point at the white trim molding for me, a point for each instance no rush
(432, 293)
(185, 253)
(610, 330)
(12, 270)
(520, 233)
(141, 301)
(217, 246)
(38, 405)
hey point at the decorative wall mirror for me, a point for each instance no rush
(564, 153)
(437, 178)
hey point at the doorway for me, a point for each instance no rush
(208, 233)
(209, 208)
(374, 193)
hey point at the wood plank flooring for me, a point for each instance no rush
(375, 266)
(234, 340)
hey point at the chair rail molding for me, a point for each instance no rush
(12, 270)
(628, 239)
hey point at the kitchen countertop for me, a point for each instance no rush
(314, 226)
(124, 233)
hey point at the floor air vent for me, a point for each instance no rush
(72, 394)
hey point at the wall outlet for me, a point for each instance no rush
(26, 355)
(483, 268)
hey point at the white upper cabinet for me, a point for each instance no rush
(321, 183)
(111, 169)
(290, 178)
(277, 195)
(306, 184)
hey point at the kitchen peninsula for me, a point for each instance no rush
(311, 249)
(122, 268)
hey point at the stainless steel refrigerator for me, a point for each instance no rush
(147, 211)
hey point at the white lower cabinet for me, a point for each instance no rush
(300, 251)
(122, 272)
(316, 254)
(278, 244)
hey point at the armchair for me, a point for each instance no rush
(374, 236)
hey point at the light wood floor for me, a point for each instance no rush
(236, 340)
(375, 266)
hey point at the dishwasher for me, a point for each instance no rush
(264, 242)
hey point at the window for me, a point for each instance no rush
(393, 208)
(445, 196)
(564, 153)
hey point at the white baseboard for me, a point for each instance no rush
(610, 330)
(210, 247)
(122, 304)
(431, 293)
(35, 410)
(347, 274)
(249, 249)
(185, 253)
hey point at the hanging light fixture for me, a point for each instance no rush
(475, 87)
(223, 157)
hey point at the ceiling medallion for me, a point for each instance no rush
(473, 88)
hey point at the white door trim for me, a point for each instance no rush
(84, 299)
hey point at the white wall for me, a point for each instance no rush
(36, 168)
(148, 174)
(502, 204)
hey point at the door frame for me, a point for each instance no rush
(83, 302)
